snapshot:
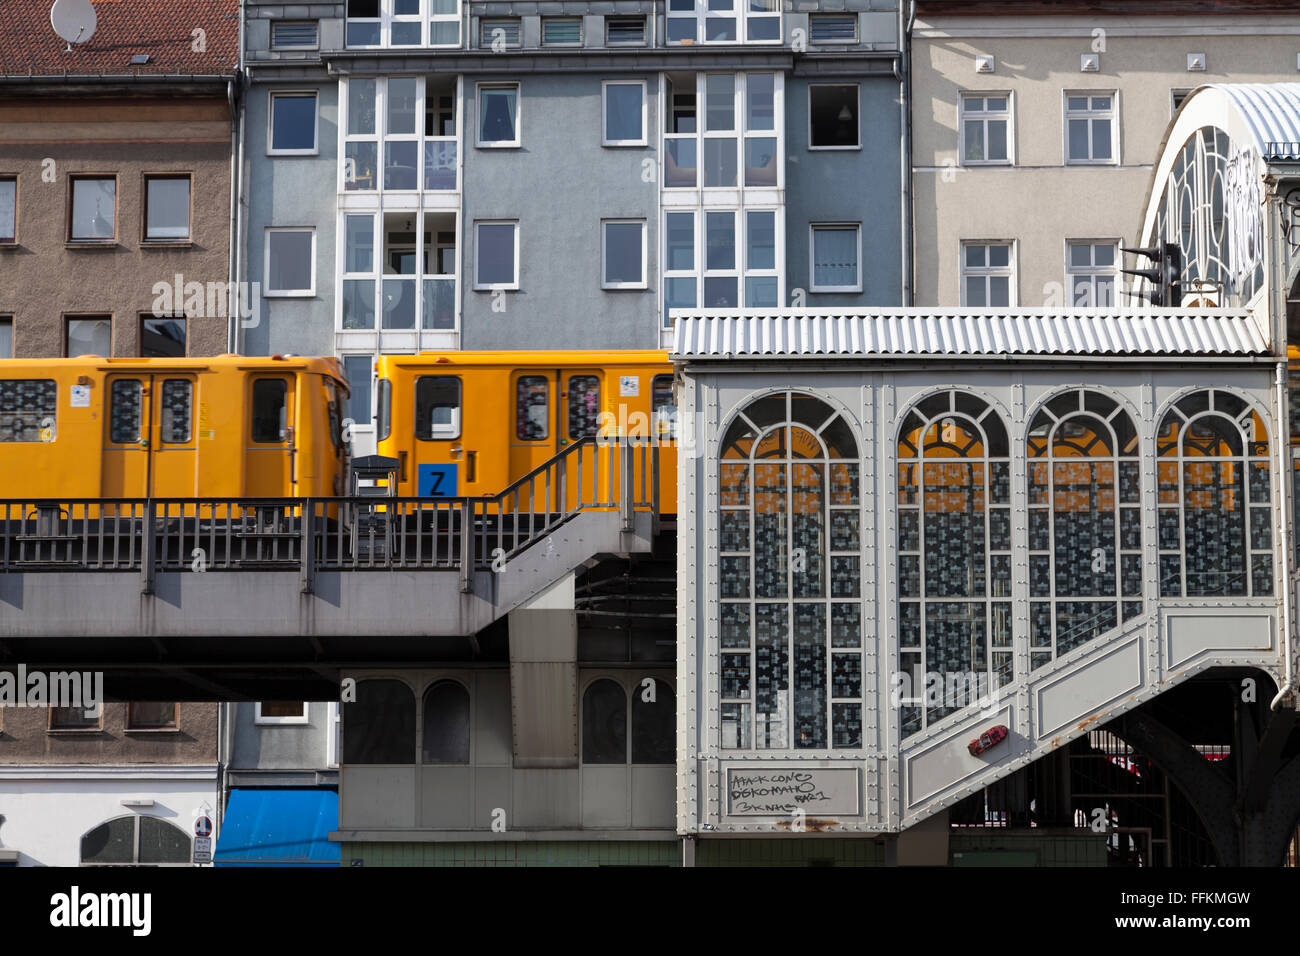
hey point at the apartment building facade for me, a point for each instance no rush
(115, 172)
(431, 175)
(117, 784)
(1036, 127)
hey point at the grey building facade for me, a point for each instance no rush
(438, 174)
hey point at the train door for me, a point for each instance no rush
(126, 439)
(149, 450)
(173, 445)
(269, 463)
(580, 407)
(534, 431)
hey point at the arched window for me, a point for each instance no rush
(446, 723)
(954, 557)
(790, 578)
(1215, 516)
(379, 726)
(604, 723)
(130, 840)
(1085, 535)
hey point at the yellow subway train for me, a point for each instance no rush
(229, 426)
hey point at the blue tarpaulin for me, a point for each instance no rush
(279, 828)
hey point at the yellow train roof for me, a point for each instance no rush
(253, 363)
(530, 359)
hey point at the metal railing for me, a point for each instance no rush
(466, 534)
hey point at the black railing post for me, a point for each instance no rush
(147, 550)
(307, 556)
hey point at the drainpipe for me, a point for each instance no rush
(235, 335)
(1283, 472)
(904, 75)
(233, 266)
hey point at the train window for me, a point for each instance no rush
(124, 411)
(27, 409)
(531, 421)
(336, 429)
(437, 407)
(177, 408)
(584, 406)
(663, 407)
(269, 409)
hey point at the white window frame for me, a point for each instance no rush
(1184, 92)
(495, 286)
(643, 283)
(416, 137)
(515, 143)
(604, 113)
(267, 291)
(1090, 114)
(272, 96)
(812, 262)
(985, 115)
(739, 12)
(1092, 272)
(739, 133)
(263, 721)
(857, 86)
(432, 18)
(963, 271)
(426, 17)
(333, 734)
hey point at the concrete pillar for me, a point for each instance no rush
(925, 844)
(544, 678)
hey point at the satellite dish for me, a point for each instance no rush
(74, 20)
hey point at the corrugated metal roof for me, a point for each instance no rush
(1272, 111)
(899, 333)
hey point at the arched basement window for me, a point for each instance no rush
(1085, 536)
(954, 557)
(379, 726)
(604, 723)
(134, 840)
(790, 578)
(446, 723)
(1215, 518)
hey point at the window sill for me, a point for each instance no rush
(291, 294)
(625, 144)
(833, 289)
(514, 145)
(7, 245)
(502, 287)
(167, 244)
(835, 149)
(91, 244)
(293, 152)
(643, 287)
(76, 731)
(152, 730)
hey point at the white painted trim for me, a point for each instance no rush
(812, 261)
(494, 286)
(1089, 114)
(262, 721)
(961, 128)
(1116, 25)
(65, 771)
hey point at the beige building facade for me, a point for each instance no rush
(1036, 126)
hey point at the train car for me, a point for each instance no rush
(229, 426)
(471, 423)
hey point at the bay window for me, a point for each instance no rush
(403, 23)
(723, 21)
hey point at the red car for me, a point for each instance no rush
(988, 739)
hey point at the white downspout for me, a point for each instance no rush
(1283, 445)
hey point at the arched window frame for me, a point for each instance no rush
(633, 686)
(136, 836)
(468, 693)
(417, 704)
(830, 711)
(1053, 426)
(939, 429)
(1183, 447)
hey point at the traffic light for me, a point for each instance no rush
(1165, 274)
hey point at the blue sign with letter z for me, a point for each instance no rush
(436, 481)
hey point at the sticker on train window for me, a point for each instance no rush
(584, 406)
(177, 410)
(125, 400)
(79, 396)
(531, 419)
(28, 409)
(663, 407)
(629, 386)
(436, 481)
